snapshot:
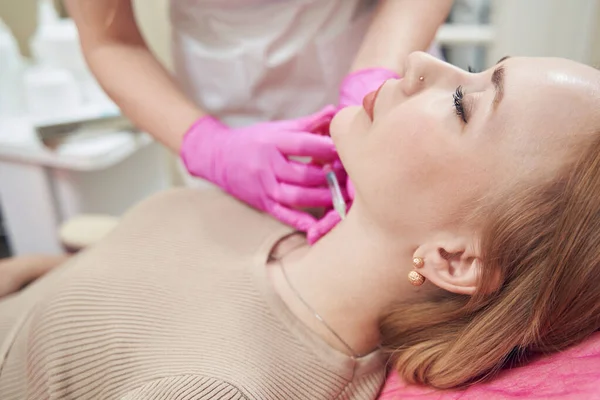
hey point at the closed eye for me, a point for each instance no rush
(458, 100)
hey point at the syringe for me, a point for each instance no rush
(339, 204)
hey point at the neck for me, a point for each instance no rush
(350, 278)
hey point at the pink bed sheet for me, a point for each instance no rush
(572, 374)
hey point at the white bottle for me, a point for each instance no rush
(11, 74)
(15, 126)
(55, 42)
(52, 94)
(55, 45)
(52, 90)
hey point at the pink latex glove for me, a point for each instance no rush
(357, 85)
(352, 92)
(251, 163)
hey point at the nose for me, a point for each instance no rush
(425, 71)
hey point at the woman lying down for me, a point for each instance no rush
(473, 241)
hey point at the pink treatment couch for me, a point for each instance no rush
(572, 375)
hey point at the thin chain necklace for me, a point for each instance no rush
(354, 354)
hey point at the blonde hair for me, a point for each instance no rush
(544, 243)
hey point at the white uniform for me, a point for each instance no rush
(248, 61)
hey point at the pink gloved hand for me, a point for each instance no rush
(354, 88)
(252, 164)
(358, 84)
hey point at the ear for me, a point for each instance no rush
(451, 263)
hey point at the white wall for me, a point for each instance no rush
(562, 28)
(153, 19)
(20, 16)
(596, 41)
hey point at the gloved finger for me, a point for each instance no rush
(339, 171)
(313, 121)
(298, 219)
(298, 173)
(340, 174)
(305, 144)
(321, 127)
(322, 227)
(299, 196)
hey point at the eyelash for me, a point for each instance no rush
(458, 98)
(458, 103)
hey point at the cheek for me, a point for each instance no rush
(414, 170)
(346, 130)
(394, 161)
(344, 122)
(403, 146)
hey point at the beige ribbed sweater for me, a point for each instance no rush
(174, 304)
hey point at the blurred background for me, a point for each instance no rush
(47, 177)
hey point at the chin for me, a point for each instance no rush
(349, 121)
(346, 130)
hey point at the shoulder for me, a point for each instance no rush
(208, 214)
(180, 201)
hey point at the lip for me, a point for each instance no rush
(369, 102)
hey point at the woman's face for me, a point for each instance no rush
(442, 139)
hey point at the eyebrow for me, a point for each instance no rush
(498, 82)
(502, 59)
